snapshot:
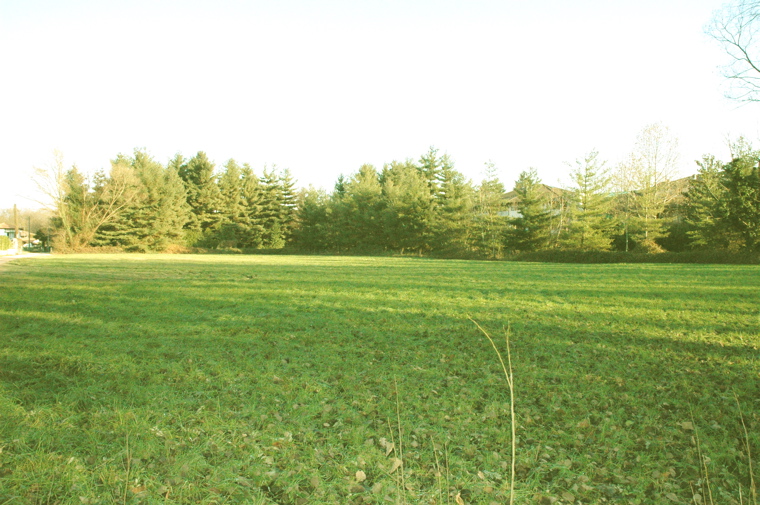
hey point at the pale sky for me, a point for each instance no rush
(323, 86)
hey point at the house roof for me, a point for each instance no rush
(550, 191)
(7, 227)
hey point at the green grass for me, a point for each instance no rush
(273, 379)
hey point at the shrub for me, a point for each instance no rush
(649, 246)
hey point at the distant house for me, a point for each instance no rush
(7, 231)
(10, 232)
(555, 200)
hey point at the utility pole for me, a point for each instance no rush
(15, 224)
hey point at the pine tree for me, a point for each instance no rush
(203, 194)
(359, 210)
(454, 213)
(163, 208)
(431, 168)
(409, 208)
(175, 211)
(340, 220)
(230, 231)
(288, 204)
(312, 233)
(155, 217)
(531, 229)
(231, 190)
(252, 205)
(273, 236)
(590, 207)
(73, 222)
(742, 180)
(490, 223)
(707, 208)
(86, 209)
(177, 165)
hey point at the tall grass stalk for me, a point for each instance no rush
(703, 462)
(448, 476)
(400, 442)
(510, 382)
(752, 488)
(129, 464)
(438, 474)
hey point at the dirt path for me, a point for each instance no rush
(6, 259)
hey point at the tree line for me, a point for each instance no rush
(422, 206)
(143, 205)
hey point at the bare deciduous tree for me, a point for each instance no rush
(736, 27)
(51, 181)
(644, 183)
(80, 208)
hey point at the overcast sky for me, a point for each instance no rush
(323, 86)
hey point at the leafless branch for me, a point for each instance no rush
(735, 27)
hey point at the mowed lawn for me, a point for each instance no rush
(309, 380)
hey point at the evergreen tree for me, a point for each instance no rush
(340, 186)
(454, 216)
(252, 205)
(231, 229)
(359, 210)
(490, 223)
(431, 167)
(155, 216)
(162, 210)
(231, 190)
(409, 208)
(72, 217)
(590, 224)
(203, 194)
(175, 211)
(288, 204)
(531, 229)
(84, 209)
(313, 231)
(177, 165)
(742, 180)
(273, 236)
(339, 238)
(707, 208)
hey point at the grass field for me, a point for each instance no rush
(305, 380)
